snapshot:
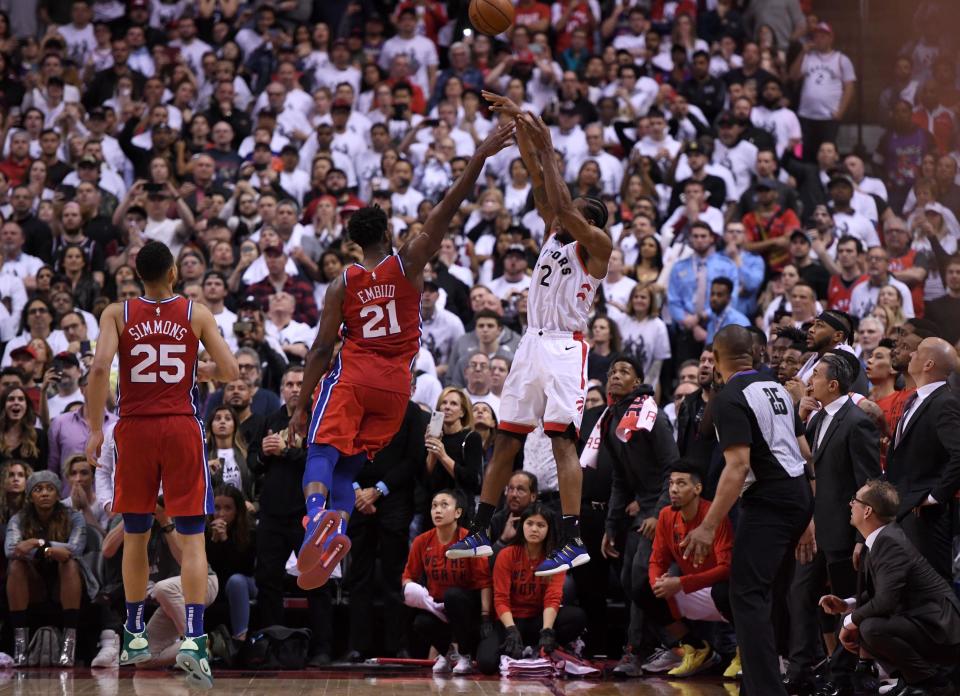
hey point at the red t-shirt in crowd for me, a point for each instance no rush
(782, 223)
(428, 564)
(839, 293)
(516, 589)
(530, 14)
(671, 530)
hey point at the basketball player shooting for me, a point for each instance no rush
(159, 439)
(548, 381)
(375, 307)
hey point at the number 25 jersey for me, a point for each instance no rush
(158, 359)
(381, 327)
(561, 291)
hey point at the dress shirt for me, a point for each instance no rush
(681, 289)
(68, 435)
(922, 393)
(829, 411)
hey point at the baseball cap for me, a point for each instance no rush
(67, 358)
(824, 27)
(727, 119)
(801, 235)
(163, 127)
(516, 249)
(693, 147)
(568, 107)
(431, 285)
(765, 183)
(89, 161)
(348, 209)
(274, 250)
(26, 351)
(97, 112)
(339, 42)
(139, 3)
(840, 179)
(341, 105)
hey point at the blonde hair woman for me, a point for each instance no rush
(455, 458)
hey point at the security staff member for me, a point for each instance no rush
(759, 433)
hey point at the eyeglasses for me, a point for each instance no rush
(38, 310)
(478, 366)
(247, 366)
(855, 499)
(516, 489)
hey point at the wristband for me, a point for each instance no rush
(382, 487)
(356, 486)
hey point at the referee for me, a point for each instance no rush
(759, 433)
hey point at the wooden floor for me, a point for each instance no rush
(82, 682)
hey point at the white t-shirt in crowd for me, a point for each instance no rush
(823, 77)
(421, 51)
(782, 124)
(647, 341)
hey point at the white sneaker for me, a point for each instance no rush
(464, 666)
(441, 666)
(109, 654)
(662, 660)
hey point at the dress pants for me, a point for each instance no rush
(633, 576)
(591, 579)
(383, 535)
(276, 538)
(931, 531)
(810, 583)
(899, 642)
(769, 526)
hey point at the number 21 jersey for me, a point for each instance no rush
(381, 327)
(158, 359)
(561, 291)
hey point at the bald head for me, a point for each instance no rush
(933, 361)
(733, 350)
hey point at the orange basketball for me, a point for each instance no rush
(491, 17)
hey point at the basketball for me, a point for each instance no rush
(491, 17)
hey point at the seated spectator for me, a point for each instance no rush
(231, 552)
(227, 452)
(456, 597)
(13, 478)
(22, 439)
(521, 493)
(80, 494)
(698, 593)
(455, 458)
(527, 606)
(43, 544)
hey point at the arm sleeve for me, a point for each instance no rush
(53, 441)
(77, 541)
(501, 584)
(619, 497)
(660, 556)
(554, 594)
(723, 550)
(674, 297)
(948, 415)
(13, 537)
(413, 571)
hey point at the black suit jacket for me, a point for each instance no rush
(898, 581)
(848, 455)
(926, 460)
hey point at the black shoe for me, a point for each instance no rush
(354, 657)
(829, 688)
(318, 660)
(866, 682)
(403, 654)
(798, 686)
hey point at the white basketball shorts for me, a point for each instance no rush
(547, 381)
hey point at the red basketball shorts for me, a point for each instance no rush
(155, 450)
(354, 418)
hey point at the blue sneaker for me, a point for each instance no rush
(573, 554)
(330, 547)
(475, 545)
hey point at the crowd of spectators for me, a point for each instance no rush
(244, 135)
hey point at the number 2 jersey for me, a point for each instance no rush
(561, 290)
(158, 359)
(381, 327)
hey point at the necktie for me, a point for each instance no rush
(903, 418)
(699, 298)
(819, 432)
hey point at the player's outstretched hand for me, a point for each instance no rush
(537, 131)
(94, 443)
(499, 138)
(501, 104)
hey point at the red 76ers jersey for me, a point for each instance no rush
(561, 291)
(158, 359)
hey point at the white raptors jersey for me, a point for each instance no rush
(561, 291)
